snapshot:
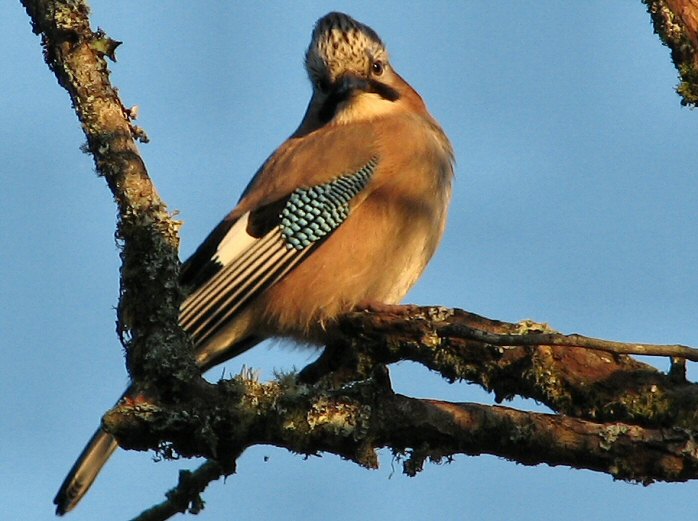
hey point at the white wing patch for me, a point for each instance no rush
(235, 242)
(251, 268)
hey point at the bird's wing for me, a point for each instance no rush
(264, 244)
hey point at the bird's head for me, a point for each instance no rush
(351, 74)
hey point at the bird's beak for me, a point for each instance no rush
(350, 84)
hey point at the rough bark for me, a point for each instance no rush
(148, 237)
(676, 23)
(362, 416)
(356, 419)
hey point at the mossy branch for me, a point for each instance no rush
(518, 360)
(676, 24)
(359, 418)
(149, 238)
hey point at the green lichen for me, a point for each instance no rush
(688, 87)
(528, 326)
(439, 313)
(672, 33)
(610, 434)
(338, 418)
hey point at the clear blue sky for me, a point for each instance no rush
(575, 204)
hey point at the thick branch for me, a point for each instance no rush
(676, 23)
(578, 382)
(648, 434)
(150, 297)
(356, 420)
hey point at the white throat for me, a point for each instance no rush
(363, 107)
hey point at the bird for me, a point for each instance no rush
(347, 212)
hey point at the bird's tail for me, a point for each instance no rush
(84, 472)
(97, 451)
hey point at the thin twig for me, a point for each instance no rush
(573, 340)
(185, 497)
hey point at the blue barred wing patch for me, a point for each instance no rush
(312, 213)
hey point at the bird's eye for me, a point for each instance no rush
(377, 68)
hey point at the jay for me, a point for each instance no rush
(347, 211)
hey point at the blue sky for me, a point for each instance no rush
(575, 204)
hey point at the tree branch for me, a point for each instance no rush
(575, 381)
(185, 497)
(354, 421)
(676, 23)
(149, 303)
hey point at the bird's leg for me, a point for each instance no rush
(343, 360)
(338, 363)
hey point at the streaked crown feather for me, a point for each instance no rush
(340, 44)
